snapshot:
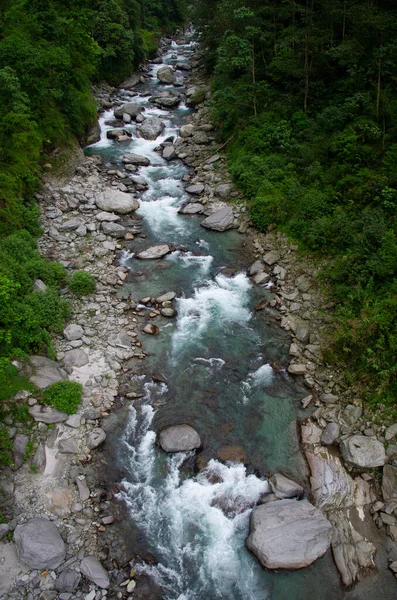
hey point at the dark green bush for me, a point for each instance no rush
(5, 448)
(64, 396)
(82, 283)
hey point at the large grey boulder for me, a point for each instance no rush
(115, 201)
(45, 372)
(39, 544)
(94, 571)
(389, 483)
(197, 188)
(46, 414)
(224, 190)
(283, 487)
(68, 581)
(364, 452)
(133, 109)
(114, 230)
(169, 153)
(76, 358)
(179, 438)
(166, 75)
(220, 220)
(135, 159)
(288, 534)
(19, 450)
(165, 101)
(151, 128)
(95, 438)
(193, 208)
(154, 252)
(73, 332)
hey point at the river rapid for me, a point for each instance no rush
(213, 367)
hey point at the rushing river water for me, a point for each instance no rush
(215, 359)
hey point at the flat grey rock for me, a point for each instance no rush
(288, 534)
(133, 109)
(19, 450)
(136, 159)
(271, 257)
(389, 483)
(39, 544)
(256, 267)
(151, 128)
(68, 581)
(114, 230)
(154, 252)
(94, 571)
(220, 220)
(166, 297)
(179, 438)
(73, 332)
(283, 487)
(363, 452)
(75, 358)
(107, 216)
(330, 434)
(169, 153)
(193, 208)
(45, 372)
(47, 414)
(95, 438)
(197, 189)
(111, 200)
(165, 101)
(224, 190)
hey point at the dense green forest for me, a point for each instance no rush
(309, 90)
(51, 51)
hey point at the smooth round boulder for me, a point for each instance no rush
(179, 438)
(111, 200)
(288, 534)
(151, 128)
(39, 544)
(166, 75)
(363, 452)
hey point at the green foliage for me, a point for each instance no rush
(82, 283)
(307, 92)
(10, 380)
(5, 448)
(64, 396)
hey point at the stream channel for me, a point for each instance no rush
(216, 360)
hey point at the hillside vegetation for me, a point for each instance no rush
(50, 53)
(308, 90)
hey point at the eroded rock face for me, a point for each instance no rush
(221, 220)
(288, 534)
(363, 452)
(179, 438)
(39, 544)
(111, 200)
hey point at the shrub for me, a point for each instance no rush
(82, 283)
(5, 448)
(64, 396)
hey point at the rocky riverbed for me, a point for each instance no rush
(63, 514)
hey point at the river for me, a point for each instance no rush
(215, 362)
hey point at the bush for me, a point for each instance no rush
(5, 448)
(64, 396)
(82, 283)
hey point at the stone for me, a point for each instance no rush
(271, 257)
(151, 128)
(192, 208)
(168, 312)
(169, 153)
(39, 286)
(95, 438)
(133, 109)
(186, 130)
(297, 369)
(83, 488)
(73, 421)
(60, 501)
(131, 82)
(19, 449)
(389, 483)
(224, 190)
(39, 460)
(311, 433)
(166, 297)
(391, 432)
(283, 487)
(288, 534)
(332, 487)
(303, 284)
(179, 438)
(45, 372)
(75, 358)
(91, 568)
(73, 332)
(195, 95)
(47, 414)
(151, 329)
(165, 101)
(68, 581)
(127, 118)
(154, 252)
(136, 159)
(114, 230)
(68, 446)
(235, 454)
(113, 200)
(329, 398)
(139, 181)
(220, 220)
(261, 278)
(69, 225)
(351, 414)
(363, 452)
(196, 189)
(107, 216)
(330, 434)
(255, 268)
(166, 75)
(39, 544)
(4, 529)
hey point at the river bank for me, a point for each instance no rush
(106, 355)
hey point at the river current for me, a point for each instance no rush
(215, 362)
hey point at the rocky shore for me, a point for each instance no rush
(59, 510)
